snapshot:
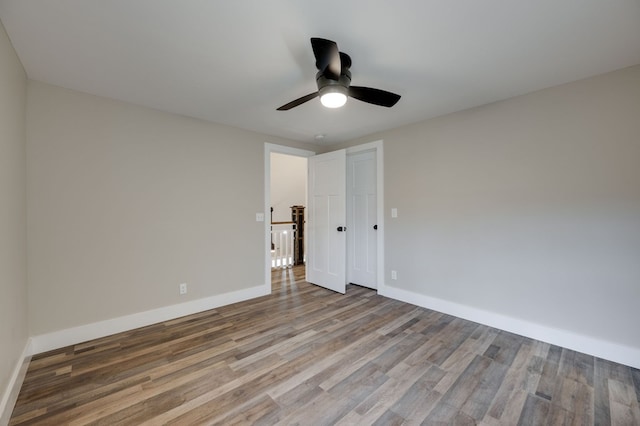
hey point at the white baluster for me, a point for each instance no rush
(283, 249)
(290, 258)
(288, 248)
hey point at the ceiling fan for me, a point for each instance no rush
(334, 80)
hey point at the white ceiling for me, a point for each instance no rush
(236, 61)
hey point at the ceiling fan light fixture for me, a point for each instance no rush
(333, 99)
(333, 96)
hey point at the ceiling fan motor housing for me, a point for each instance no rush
(328, 85)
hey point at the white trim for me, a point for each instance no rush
(589, 345)
(10, 395)
(83, 333)
(268, 149)
(378, 147)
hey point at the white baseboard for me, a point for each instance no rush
(75, 335)
(600, 348)
(10, 394)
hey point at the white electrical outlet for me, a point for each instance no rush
(259, 217)
(394, 275)
(183, 288)
(394, 212)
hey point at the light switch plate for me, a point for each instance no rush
(259, 217)
(394, 212)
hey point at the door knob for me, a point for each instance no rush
(340, 228)
(375, 227)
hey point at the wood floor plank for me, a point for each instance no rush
(306, 355)
(325, 409)
(383, 398)
(535, 411)
(413, 399)
(466, 382)
(249, 413)
(514, 380)
(389, 419)
(445, 414)
(322, 366)
(360, 384)
(480, 399)
(513, 409)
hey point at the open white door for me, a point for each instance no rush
(326, 221)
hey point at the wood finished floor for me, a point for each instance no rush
(305, 355)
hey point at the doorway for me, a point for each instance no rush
(378, 236)
(288, 201)
(282, 212)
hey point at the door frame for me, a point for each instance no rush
(283, 149)
(268, 149)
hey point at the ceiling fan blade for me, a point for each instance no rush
(298, 101)
(345, 61)
(374, 96)
(327, 57)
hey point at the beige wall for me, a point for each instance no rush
(528, 208)
(13, 259)
(127, 202)
(288, 184)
